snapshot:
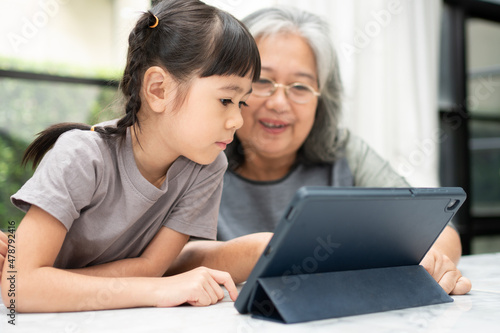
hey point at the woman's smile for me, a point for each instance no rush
(273, 126)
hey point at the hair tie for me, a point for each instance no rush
(156, 23)
(92, 129)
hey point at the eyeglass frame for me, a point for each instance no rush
(287, 87)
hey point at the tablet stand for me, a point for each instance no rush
(306, 297)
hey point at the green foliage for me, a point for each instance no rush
(59, 69)
(27, 108)
(12, 175)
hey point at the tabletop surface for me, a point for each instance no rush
(479, 311)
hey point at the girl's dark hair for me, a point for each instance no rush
(192, 39)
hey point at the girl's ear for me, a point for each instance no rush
(158, 88)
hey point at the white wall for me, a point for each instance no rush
(89, 33)
(388, 54)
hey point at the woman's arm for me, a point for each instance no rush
(237, 256)
(42, 288)
(441, 262)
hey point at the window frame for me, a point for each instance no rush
(455, 163)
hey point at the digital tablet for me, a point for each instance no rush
(327, 229)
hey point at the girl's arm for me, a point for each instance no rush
(42, 288)
(154, 261)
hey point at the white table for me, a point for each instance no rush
(478, 311)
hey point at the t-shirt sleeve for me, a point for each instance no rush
(196, 213)
(65, 180)
(368, 168)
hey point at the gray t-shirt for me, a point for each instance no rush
(111, 212)
(238, 215)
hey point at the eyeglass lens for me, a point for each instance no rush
(297, 92)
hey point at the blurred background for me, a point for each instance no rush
(422, 85)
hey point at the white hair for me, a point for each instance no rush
(322, 143)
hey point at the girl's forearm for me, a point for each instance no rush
(154, 261)
(49, 289)
(131, 267)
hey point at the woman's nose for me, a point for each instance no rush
(278, 101)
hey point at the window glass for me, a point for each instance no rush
(485, 168)
(483, 102)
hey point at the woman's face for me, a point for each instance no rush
(274, 126)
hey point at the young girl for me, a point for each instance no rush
(110, 207)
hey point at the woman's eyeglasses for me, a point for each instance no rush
(299, 93)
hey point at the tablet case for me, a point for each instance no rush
(348, 251)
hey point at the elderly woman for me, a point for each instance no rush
(290, 138)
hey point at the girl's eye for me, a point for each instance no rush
(242, 104)
(226, 101)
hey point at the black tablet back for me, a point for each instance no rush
(329, 229)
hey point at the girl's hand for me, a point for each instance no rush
(198, 287)
(3, 250)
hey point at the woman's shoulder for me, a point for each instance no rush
(348, 140)
(355, 149)
(368, 167)
(353, 145)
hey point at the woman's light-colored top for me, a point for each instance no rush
(254, 206)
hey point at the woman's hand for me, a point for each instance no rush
(198, 287)
(446, 273)
(3, 250)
